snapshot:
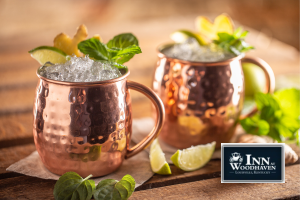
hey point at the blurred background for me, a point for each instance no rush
(273, 26)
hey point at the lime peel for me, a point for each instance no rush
(158, 161)
(193, 158)
(182, 35)
(44, 54)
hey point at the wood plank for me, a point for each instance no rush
(35, 188)
(26, 187)
(16, 126)
(211, 170)
(11, 155)
(214, 189)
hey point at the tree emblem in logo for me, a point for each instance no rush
(236, 157)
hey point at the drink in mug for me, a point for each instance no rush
(82, 117)
(202, 88)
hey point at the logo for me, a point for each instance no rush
(252, 163)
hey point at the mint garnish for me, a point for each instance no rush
(277, 116)
(112, 189)
(72, 186)
(234, 43)
(117, 51)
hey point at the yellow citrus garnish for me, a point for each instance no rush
(222, 23)
(69, 45)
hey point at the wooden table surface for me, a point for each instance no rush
(17, 87)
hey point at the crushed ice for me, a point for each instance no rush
(192, 51)
(80, 69)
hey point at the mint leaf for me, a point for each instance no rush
(280, 111)
(262, 100)
(124, 55)
(122, 41)
(255, 126)
(131, 180)
(71, 186)
(233, 43)
(112, 189)
(94, 48)
(289, 101)
(119, 50)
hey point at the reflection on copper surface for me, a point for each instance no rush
(203, 101)
(87, 127)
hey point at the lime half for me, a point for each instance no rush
(182, 35)
(193, 158)
(45, 54)
(158, 161)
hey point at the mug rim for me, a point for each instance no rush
(215, 63)
(83, 83)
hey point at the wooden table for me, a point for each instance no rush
(17, 86)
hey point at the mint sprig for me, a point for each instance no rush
(277, 116)
(234, 43)
(72, 186)
(117, 51)
(112, 189)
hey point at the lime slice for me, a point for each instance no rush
(182, 35)
(158, 161)
(193, 158)
(45, 54)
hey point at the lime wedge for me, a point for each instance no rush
(158, 161)
(45, 54)
(193, 158)
(182, 35)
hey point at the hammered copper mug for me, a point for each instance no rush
(86, 127)
(203, 100)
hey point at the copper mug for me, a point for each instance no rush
(203, 100)
(87, 127)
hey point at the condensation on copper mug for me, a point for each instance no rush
(202, 103)
(73, 126)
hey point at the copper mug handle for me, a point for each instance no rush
(160, 112)
(268, 73)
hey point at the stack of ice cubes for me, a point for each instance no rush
(80, 69)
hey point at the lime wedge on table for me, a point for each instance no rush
(158, 161)
(193, 158)
(45, 54)
(182, 35)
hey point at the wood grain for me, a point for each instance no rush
(214, 189)
(35, 188)
(11, 155)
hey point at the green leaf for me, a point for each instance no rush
(131, 180)
(244, 34)
(234, 43)
(262, 100)
(122, 41)
(237, 33)
(123, 69)
(94, 48)
(71, 186)
(290, 123)
(124, 55)
(275, 134)
(225, 37)
(112, 189)
(289, 100)
(255, 126)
